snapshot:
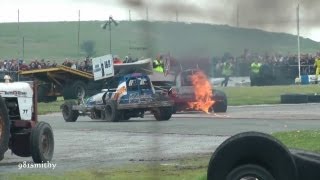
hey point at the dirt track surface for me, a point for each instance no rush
(87, 143)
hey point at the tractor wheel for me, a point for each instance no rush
(162, 113)
(4, 128)
(41, 143)
(69, 115)
(252, 154)
(77, 90)
(111, 112)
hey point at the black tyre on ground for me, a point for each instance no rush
(68, 114)
(4, 128)
(41, 143)
(294, 98)
(257, 153)
(313, 98)
(76, 90)
(162, 113)
(111, 112)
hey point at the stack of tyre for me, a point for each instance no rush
(300, 98)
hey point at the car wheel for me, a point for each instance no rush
(68, 114)
(162, 113)
(111, 112)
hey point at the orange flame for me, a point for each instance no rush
(202, 92)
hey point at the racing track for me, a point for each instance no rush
(88, 143)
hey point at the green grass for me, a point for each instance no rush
(46, 108)
(190, 168)
(306, 140)
(58, 40)
(265, 94)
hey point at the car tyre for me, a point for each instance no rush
(162, 113)
(68, 114)
(111, 112)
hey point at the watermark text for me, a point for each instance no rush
(30, 165)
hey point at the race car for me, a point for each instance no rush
(125, 97)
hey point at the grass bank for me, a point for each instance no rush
(190, 168)
(306, 140)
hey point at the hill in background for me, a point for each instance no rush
(59, 40)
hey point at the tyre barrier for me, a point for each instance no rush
(299, 98)
(313, 98)
(260, 156)
(294, 98)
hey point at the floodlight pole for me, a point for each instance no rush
(108, 23)
(110, 33)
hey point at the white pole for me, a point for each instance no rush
(18, 59)
(298, 34)
(78, 51)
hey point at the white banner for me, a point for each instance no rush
(102, 67)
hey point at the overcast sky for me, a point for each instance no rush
(270, 15)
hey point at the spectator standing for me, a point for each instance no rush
(255, 72)
(227, 71)
(317, 66)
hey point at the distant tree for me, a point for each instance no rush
(88, 47)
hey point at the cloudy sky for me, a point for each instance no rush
(270, 15)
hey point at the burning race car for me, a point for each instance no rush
(19, 129)
(125, 97)
(193, 91)
(190, 89)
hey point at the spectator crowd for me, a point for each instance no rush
(14, 65)
(277, 64)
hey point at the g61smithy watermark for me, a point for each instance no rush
(43, 165)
